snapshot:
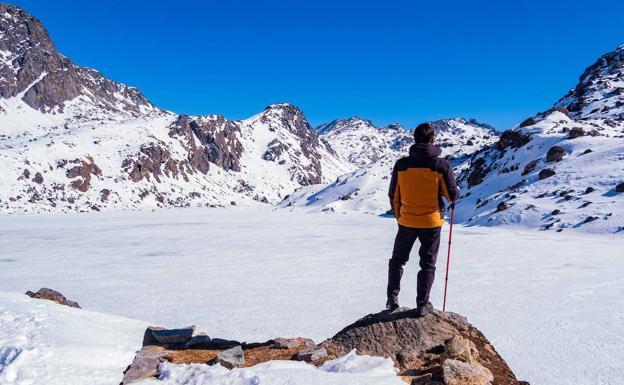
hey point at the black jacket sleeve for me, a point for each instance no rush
(392, 191)
(450, 184)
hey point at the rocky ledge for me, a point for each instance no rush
(440, 348)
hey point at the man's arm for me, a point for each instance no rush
(449, 184)
(394, 193)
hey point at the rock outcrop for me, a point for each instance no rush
(440, 348)
(52, 295)
(423, 345)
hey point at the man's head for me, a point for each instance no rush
(424, 133)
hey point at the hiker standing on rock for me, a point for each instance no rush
(418, 183)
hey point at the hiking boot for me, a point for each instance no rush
(423, 310)
(392, 303)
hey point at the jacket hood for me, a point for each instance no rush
(424, 151)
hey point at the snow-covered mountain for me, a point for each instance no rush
(362, 143)
(73, 140)
(366, 189)
(560, 169)
(557, 170)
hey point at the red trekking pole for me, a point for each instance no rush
(448, 256)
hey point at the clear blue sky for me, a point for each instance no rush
(388, 61)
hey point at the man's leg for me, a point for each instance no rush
(428, 252)
(403, 243)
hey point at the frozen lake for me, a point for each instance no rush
(552, 304)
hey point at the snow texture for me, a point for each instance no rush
(350, 369)
(550, 303)
(45, 343)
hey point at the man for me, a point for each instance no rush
(418, 183)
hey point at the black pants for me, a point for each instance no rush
(428, 252)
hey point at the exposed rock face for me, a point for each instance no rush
(457, 372)
(52, 295)
(599, 93)
(81, 174)
(48, 79)
(419, 343)
(218, 138)
(512, 139)
(279, 116)
(477, 172)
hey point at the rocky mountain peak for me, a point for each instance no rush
(600, 91)
(32, 70)
(353, 123)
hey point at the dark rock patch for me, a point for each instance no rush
(555, 154)
(546, 173)
(52, 295)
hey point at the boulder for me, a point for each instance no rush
(546, 173)
(171, 336)
(288, 343)
(502, 206)
(461, 349)
(620, 187)
(513, 138)
(530, 166)
(420, 344)
(457, 372)
(576, 132)
(52, 295)
(589, 190)
(198, 342)
(311, 354)
(555, 154)
(231, 358)
(144, 365)
(38, 178)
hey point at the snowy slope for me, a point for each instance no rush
(509, 183)
(72, 140)
(45, 343)
(366, 189)
(577, 188)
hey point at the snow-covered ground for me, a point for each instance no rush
(45, 343)
(551, 303)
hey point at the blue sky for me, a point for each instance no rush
(388, 61)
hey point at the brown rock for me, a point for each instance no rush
(462, 373)
(546, 173)
(513, 139)
(576, 132)
(411, 342)
(502, 206)
(289, 343)
(38, 178)
(52, 295)
(311, 354)
(555, 154)
(144, 365)
(530, 166)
